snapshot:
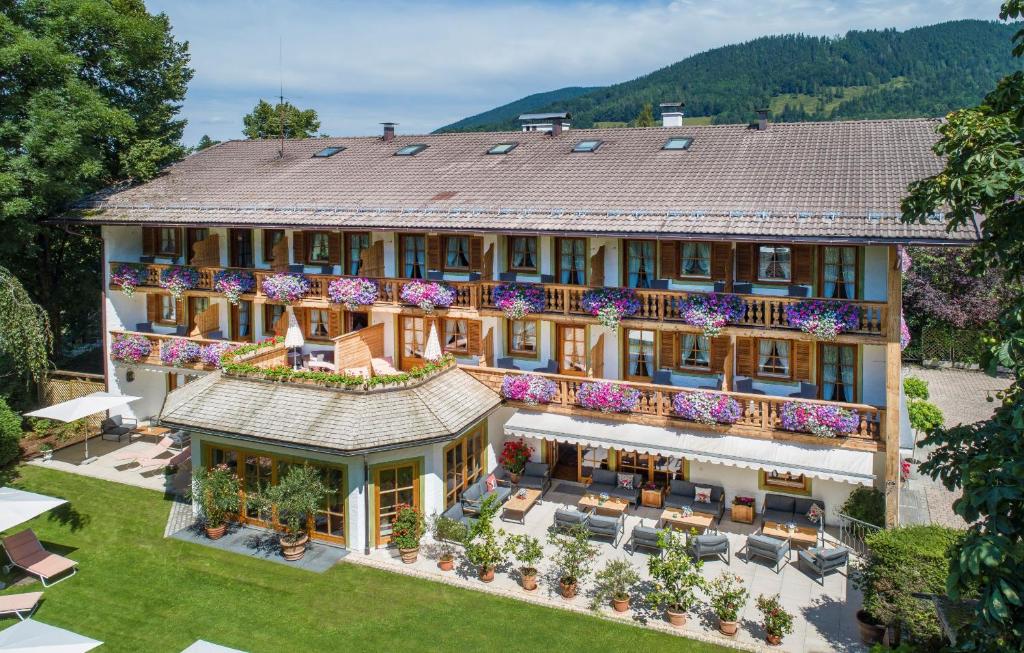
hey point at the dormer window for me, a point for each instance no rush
(587, 146)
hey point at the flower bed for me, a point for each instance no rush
(608, 397)
(707, 407)
(427, 295)
(285, 287)
(519, 299)
(712, 312)
(610, 305)
(528, 388)
(177, 279)
(130, 347)
(822, 318)
(129, 276)
(353, 293)
(212, 353)
(179, 351)
(822, 420)
(233, 283)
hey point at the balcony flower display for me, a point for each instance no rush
(427, 295)
(353, 293)
(179, 351)
(233, 283)
(211, 354)
(707, 407)
(610, 305)
(712, 312)
(822, 420)
(528, 388)
(822, 318)
(608, 397)
(285, 287)
(130, 347)
(129, 276)
(904, 333)
(177, 279)
(519, 299)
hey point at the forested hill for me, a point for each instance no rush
(925, 71)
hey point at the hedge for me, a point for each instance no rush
(10, 433)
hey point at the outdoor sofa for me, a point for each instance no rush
(474, 495)
(784, 509)
(605, 481)
(116, 427)
(536, 476)
(682, 494)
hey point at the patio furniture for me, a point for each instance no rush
(746, 385)
(807, 391)
(783, 509)
(719, 286)
(148, 454)
(507, 276)
(473, 497)
(770, 548)
(435, 275)
(457, 513)
(536, 476)
(20, 605)
(295, 268)
(609, 507)
(682, 494)
(181, 330)
(706, 545)
(658, 284)
(144, 327)
(505, 364)
(551, 367)
(117, 426)
(605, 481)
(26, 553)
(643, 536)
(547, 278)
(566, 518)
(743, 288)
(517, 506)
(823, 561)
(796, 535)
(798, 291)
(607, 526)
(177, 459)
(181, 439)
(717, 385)
(686, 522)
(662, 377)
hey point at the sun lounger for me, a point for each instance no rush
(20, 605)
(148, 454)
(177, 459)
(26, 553)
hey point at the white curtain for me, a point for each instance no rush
(697, 259)
(837, 369)
(640, 256)
(830, 355)
(774, 263)
(773, 353)
(690, 342)
(524, 253)
(572, 261)
(847, 361)
(840, 272)
(458, 255)
(414, 257)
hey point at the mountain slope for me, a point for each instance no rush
(925, 71)
(513, 109)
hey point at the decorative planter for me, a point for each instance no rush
(822, 420)
(294, 549)
(487, 574)
(428, 295)
(610, 305)
(870, 632)
(712, 312)
(530, 389)
(608, 397)
(707, 408)
(216, 532)
(353, 293)
(513, 477)
(409, 555)
(446, 564)
(824, 319)
(677, 619)
(530, 580)
(518, 300)
(233, 283)
(773, 640)
(620, 605)
(651, 498)
(742, 514)
(728, 627)
(568, 589)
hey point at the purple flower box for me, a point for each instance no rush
(519, 299)
(211, 354)
(129, 276)
(608, 397)
(353, 293)
(904, 333)
(285, 287)
(179, 351)
(233, 283)
(427, 295)
(177, 279)
(130, 347)
(707, 407)
(712, 312)
(610, 305)
(823, 318)
(528, 388)
(822, 420)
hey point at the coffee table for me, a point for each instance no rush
(516, 507)
(799, 536)
(150, 431)
(611, 507)
(675, 519)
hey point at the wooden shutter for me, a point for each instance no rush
(597, 268)
(721, 263)
(487, 351)
(803, 262)
(474, 346)
(434, 253)
(746, 262)
(719, 353)
(334, 323)
(802, 360)
(668, 357)
(746, 356)
(152, 307)
(487, 272)
(597, 358)
(298, 247)
(476, 253)
(180, 313)
(206, 252)
(302, 317)
(375, 266)
(669, 259)
(281, 325)
(280, 254)
(334, 248)
(150, 239)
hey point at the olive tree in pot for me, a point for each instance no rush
(776, 621)
(728, 597)
(484, 548)
(294, 499)
(676, 577)
(216, 490)
(447, 532)
(528, 552)
(614, 583)
(573, 557)
(406, 532)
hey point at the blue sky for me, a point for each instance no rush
(425, 64)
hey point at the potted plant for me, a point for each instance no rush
(514, 456)
(294, 500)
(531, 389)
(518, 300)
(177, 279)
(428, 295)
(573, 557)
(233, 283)
(286, 287)
(216, 490)
(610, 305)
(608, 397)
(822, 420)
(676, 576)
(484, 547)
(446, 532)
(528, 552)
(825, 319)
(353, 293)
(129, 276)
(46, 449)
(707, 408)
(130, 347)
(776, 621)
(406, 532)
(712, 312)
(727, 599)
(614, 582)
(742, 509)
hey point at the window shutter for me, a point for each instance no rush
(334, 323)
(334, 248)
(669, 259)
(802, 360)
(150, 236)
(487, 272)
(152, 307)
(668, 356)
(803, 257)
(597, 268)
(719, 353)
(434, 253)
(746, 364)
(473, 337)
(746, 262)
(476, 253)
(180, 313)
(597, 358)
(721, 262)
(376, 266)
(298, 247)
(281, 326)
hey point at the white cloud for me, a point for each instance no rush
(424, 64)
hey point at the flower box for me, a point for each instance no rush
(130, 347)
(528, 388)
(743, 513)
(179, 352)
(212, 353)
(177, 279)
(286, 287)
(610, 305)
(129, 276)
(707, 407)
(353, 293)
(713, 311)
(428, 295)
(233, 283)
(518, 300)
(822, 420)
(825, 319)
(608, 397)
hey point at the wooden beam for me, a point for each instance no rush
(893, 362)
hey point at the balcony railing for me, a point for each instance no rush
(759, 417)
(158, 339)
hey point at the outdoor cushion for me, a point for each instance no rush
(777, 516)
(684, 488)
(765, 543)
(702, 494)
(22, 605)
(624, 481)
(815, 513)
(829, 555)
(536, 469)
(604, 477)
(491, 482)
(779, 502)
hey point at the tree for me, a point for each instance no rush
(646, 117)
(25, 338)
(940, 286)
(265, 121)
(10, 433)
(205, 142)
(983, 149)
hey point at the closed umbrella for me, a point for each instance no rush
(32, 636)
(203, 646)
(293, 336)
(432, 352)
(19, 506)
(75, 409)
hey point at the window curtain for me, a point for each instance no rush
(524, 253)
(764, 352)
(641, 353)
(357, 243)
(830, 362)
(774, 263)
(698, 347)
(639, 257)
(572, 261)
(840, 272)
(782, 347)
(414, 257)
(697, 259)
(458, 252)
(769, 350)
(846, 360)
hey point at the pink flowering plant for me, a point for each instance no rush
(428, 295)
(823, 318)
(713, 311)
(130, 347)
(519, 299)
(707, 407)
(528, 388)
(233, 283)
(610, 305)
(177, 279)
(129, 276)
(353, 292)
(904, 333)
(286, 287)
(211, 354)
(179, 351)
(822, 420)
(608, 397)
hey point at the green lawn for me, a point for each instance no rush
(137, 591)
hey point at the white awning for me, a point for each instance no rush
(834, 464)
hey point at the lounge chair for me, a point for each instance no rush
(823, 560)
(20, 605)
(148, 454)
(26, 553)
(456, 513)
(705, 545)
(473, 497)
(117, 426)
(536, 476)
(566, 518)
(772, 548)
(607, 526)
(179, 458)
(645, 536)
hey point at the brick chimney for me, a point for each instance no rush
(672, 114)
(762, 119)
(389, 131)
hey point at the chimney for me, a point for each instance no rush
(389, 131)
(556, 128)
(762, 119)
(672, 114)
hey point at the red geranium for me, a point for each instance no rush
(515, 455)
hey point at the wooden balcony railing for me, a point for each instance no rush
(760, 416)
(157, 339)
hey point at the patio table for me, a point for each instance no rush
(610, 507)
(516, 507)
(799, 536)
(675, 519)
(154, 431)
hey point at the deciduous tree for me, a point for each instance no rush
(266, 121)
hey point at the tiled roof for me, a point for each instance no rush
(801, 180)
(331, 419)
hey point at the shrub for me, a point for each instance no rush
(216, 491)
(915, 388)
(10, 433)
(614, 582)
(676, 576)
(867, 505)
(728, 596)
(407, 528)
(514, 456)
(573, 554)
(924, 415)
(776, 620)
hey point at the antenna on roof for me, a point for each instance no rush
(280, 97)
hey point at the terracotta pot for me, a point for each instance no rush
(446, 564)
(294, 549)
(774, 640)
(216, 532)
(409, 555)
(677, 619)
(568, 589)
(513, 477)
(870, 632)
(530, 580)
(486, 574)
(620, 605)
(728, 627)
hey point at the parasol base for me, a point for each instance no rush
(90, 460)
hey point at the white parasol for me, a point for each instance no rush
(76, 409)
(293, 336)
(432, 352)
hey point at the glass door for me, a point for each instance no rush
(329, 521)
(396, 485)
(639, 355)
(572, 350)
(257, 474)
(241, 248)
(414, 341)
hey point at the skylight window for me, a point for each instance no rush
(502, 148)
(328, 151)
(411, 150)
(587, 146)
(677, 143)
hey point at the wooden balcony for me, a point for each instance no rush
(759, 418)
(157, 339)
